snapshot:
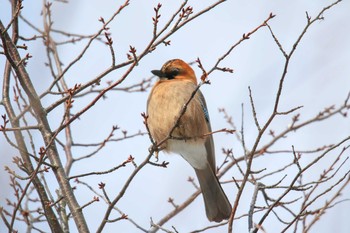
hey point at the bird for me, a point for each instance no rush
(189, 134)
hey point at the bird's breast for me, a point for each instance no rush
(165, 103)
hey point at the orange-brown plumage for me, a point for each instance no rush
(177, 82)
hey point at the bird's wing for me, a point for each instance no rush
(209, 143)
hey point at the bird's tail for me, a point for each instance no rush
(217, 206)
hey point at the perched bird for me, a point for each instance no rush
(191, 138)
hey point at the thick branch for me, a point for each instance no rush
(14, 59)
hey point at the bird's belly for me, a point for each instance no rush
(193, 152)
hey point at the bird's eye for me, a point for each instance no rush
(172, 73)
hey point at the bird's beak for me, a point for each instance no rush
(158, 73)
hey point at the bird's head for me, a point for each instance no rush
(176, 69)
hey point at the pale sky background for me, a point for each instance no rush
(319, 76)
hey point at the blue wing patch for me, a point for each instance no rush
(205, 111)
